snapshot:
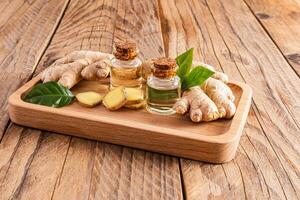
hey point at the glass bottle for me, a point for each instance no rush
(125, 67)
(163, 87)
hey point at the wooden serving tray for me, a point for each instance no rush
(214, 142)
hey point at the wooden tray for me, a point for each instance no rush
(214, 142)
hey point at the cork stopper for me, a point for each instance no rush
(125, 50)
(164, 63)
(164, 68)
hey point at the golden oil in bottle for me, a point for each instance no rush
(163, 87)
(126, 69)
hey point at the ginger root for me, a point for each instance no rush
(115, 98)
(70, 69)
(199, 105)
(71, 76)
(93, 56)
(89, 99)
(213, 100)
(221, 95)
(96, 71)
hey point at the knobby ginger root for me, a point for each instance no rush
(115, 98)
(93, 56)
(221, 95)
(214, 100)
(96, 71)
(68, 70)
(199, 105)
(72, 75)
(89, 99)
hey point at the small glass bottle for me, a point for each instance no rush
(163, 87)
(126, 69)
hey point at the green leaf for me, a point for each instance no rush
(196, 77)
(184, 62)
(50, 94)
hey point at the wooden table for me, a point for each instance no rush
(254, 41)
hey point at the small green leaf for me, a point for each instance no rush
(184, 61)
(196, 77)
(50, 94)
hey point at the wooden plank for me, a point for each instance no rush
(281, 21)
(25, 30)
(71, 168)
(227, 35)
(25, 150)
(17, 150)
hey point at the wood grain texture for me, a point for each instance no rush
(95, 25)
(227, 35)
(281, 21)
(17, 150)
(34, 171)
(25, 29)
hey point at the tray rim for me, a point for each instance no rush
(232, 134)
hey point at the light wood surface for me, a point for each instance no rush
(231, 35)
(25, 30)
(214, 142)
(158, 176)
(281, 21)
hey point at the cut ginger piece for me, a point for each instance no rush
(115, 98)
(136, 106)
(89, 99)
(134, 95)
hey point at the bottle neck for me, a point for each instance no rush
(125, 62)
(164, 79)
(163, 84)
(115, 62)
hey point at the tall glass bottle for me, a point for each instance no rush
(163, 87)
(126, 68)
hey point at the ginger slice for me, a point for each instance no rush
(136, 106)
(89, 99)
(115, 98)
(134, 95)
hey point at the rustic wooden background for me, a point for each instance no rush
(254, 41)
